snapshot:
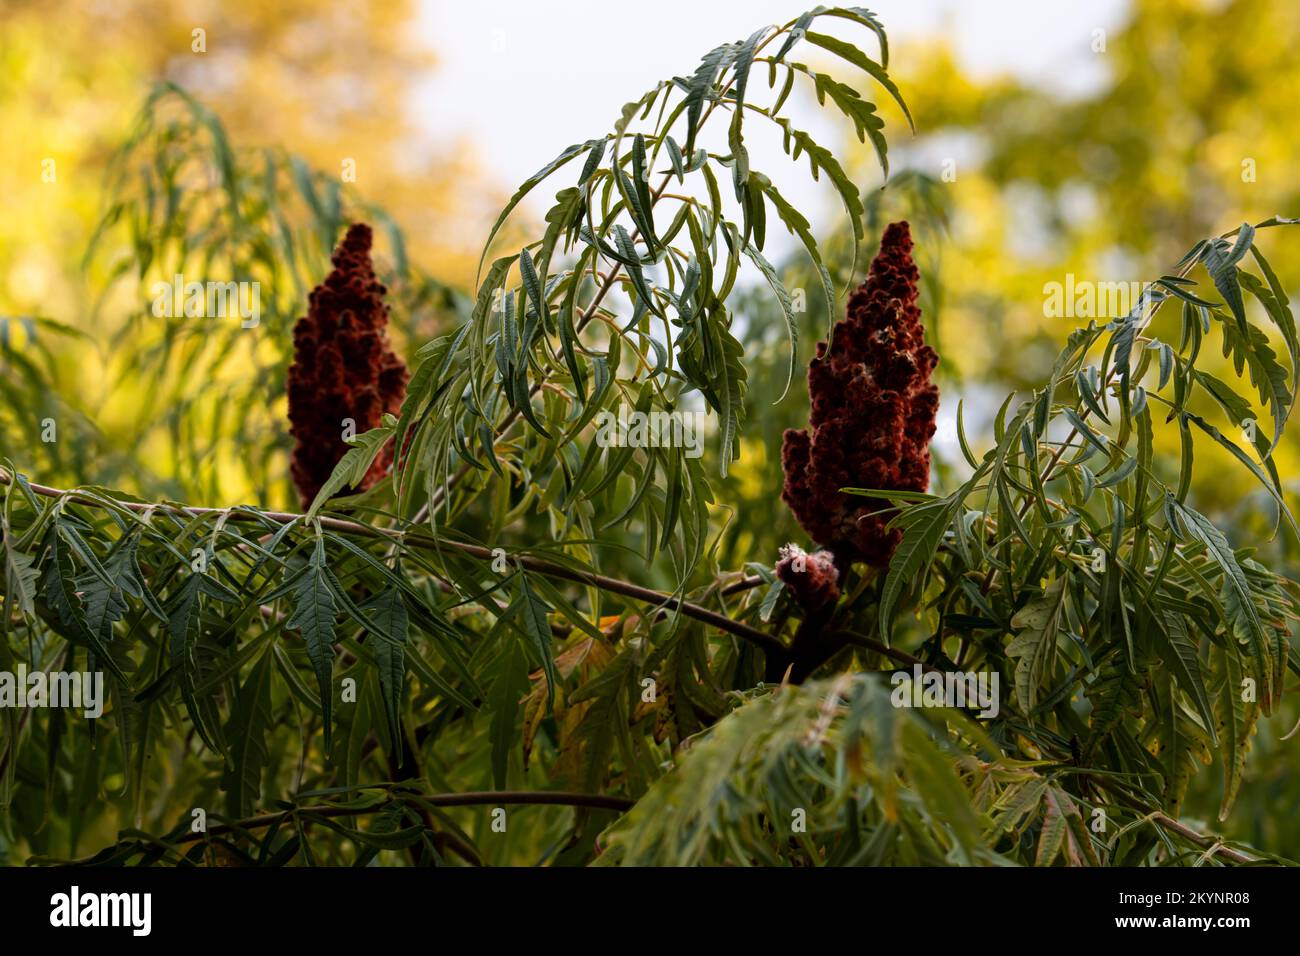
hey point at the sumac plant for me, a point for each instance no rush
(516, 644)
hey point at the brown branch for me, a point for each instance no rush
(871, 644)
(744, 584)
(761, 639)
(1202, 840)
(560, 798)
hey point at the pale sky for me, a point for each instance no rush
(522, 80)
(507, 65)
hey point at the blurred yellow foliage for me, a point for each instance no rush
(328, 82)
(1190, 134)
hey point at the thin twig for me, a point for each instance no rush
(871, 644)
(1201, 840)
(440, 494)
(561, 798)
(1049, 472)
(767, 642)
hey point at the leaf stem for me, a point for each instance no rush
(560, 798)
(761, 639)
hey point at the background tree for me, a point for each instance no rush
(529, 626)
(278, 77)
